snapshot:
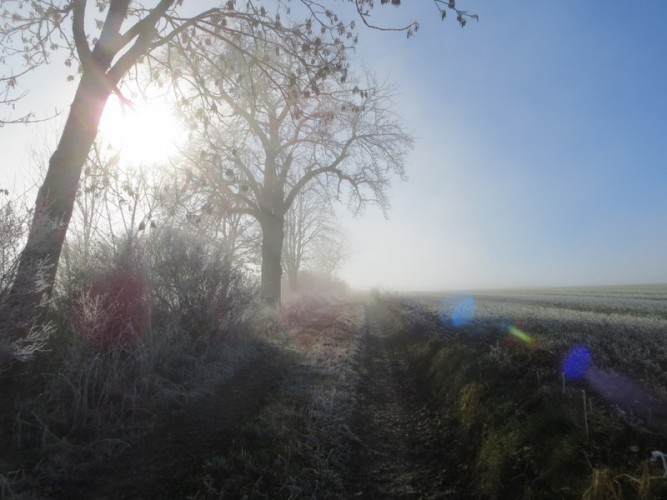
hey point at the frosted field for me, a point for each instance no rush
(625, 327)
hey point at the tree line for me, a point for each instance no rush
(280, 123)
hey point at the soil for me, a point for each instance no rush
(407, 450)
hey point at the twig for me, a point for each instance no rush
(658, 454)
(583, 393)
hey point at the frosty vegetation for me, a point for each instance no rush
(623, 326)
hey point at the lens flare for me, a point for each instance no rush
(577, 362)
(521, 335)
(629, 396)
(617, 390)
(463, 311)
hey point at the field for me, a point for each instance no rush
(387, 396)
(624, 327)
(507, 368)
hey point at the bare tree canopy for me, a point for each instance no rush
(32, 32)
(263, 133)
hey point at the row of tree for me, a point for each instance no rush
(273, 106)
(118, 200)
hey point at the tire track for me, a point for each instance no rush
(407, 450)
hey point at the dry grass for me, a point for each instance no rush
(603, 486)
(119, 359)
(296, 447)
(527, 432)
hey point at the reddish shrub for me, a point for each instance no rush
(115, 311)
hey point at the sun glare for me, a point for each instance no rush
(145, 133)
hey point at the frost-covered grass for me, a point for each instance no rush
(299, 444)
(635, 300)
(624, 327)
(529, 432)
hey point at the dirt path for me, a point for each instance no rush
(406, 451)
(402, 445)
(162, 464)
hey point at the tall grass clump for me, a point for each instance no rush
(142, 325)
(20, 340)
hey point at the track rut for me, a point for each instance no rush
(407, 448)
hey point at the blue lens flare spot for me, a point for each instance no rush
(457, 313)
(577, 362)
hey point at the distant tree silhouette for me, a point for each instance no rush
(311, 236)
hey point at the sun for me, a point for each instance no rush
(145, 133)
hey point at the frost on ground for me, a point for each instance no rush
(530, 429)
(300, 443)
(624, 327)
(377, 397)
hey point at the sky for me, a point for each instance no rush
(541, 150)
(540, 156)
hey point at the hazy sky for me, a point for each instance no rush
(541, 152)
(541, 147)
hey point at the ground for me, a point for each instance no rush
(407, 449)
(161, 465)
(365, 399)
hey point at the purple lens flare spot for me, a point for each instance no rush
(577, 362)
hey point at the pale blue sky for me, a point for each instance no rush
(541, 153)
(541, 147)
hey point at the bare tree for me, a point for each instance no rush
(267, 135)
(91, 204)
(309, 230)
(183, 201)
(13, 226)
(113, 200)
(328, 252)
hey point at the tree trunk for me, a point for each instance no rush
(38, 263)
(293, 280)
(290, 262)
(272, 246)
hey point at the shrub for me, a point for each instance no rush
(14, 223)
(108, 303)
(196, 285)
(115, 311)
